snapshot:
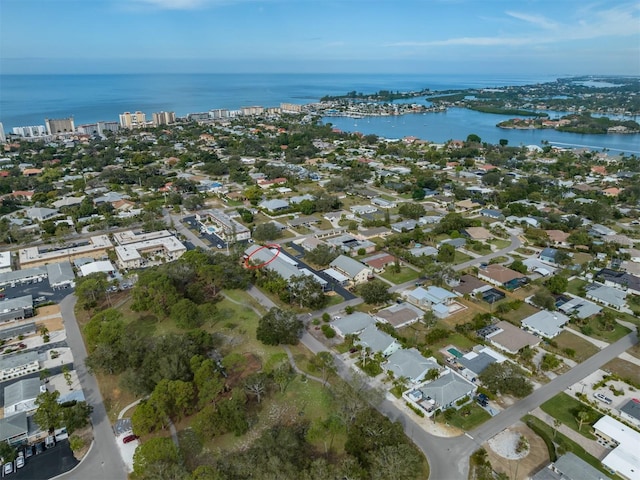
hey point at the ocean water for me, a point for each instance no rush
(29, 99)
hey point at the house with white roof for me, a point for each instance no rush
(436, 298)
(352, 324)
(545, 323)
(354, 270)
(411, 364)
(624, 459)
(580, 307)
(377, 341)
(607, 296)
(441, 393)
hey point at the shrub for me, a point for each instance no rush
(328, 331)
(545, 437)
(416, 410)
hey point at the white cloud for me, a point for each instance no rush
(619, 21)
(185, 4)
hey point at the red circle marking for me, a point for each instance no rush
(269, 246)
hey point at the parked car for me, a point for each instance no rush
(28, 451)
(40, 447)
(41, 299)
(482, 399)
(129, 438)
(50, 441)
(603, 398)
(8, 468)
(19, 462)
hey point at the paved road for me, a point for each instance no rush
(103, 462)
(515, 243)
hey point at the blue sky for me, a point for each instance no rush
(383, 36)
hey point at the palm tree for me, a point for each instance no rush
(582, 417)
(556, 425)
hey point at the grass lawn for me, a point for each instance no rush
(575, 285)
(563, 407)
(334, 299)
(624, 369)
(611, 336)
(469, 417)
(405, 274)
(500, 244)
(569, 445)
(583, 348)
(581, 258)
(515, 316)
(461, 257)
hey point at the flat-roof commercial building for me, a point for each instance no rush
(35, 256)
(5, 262)
(147, 249)
(225, 227)
(14, 366)
(16, 308)
(624, 459)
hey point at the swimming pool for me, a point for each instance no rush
(454, 352)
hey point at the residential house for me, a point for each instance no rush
(445, 392)
(580, 307)
(274, 206)
(410, 364)
(455, 242)
(426, 251)
(363, 209)
(491, 213)
(382, 203)
(598, 230)
(569, 467)
(630, 411)
(548, 255)
(501, 276)
(465, 205)
(535, 265)
(377, 341)
(380, 261)
(508, 337)
(624, 459)
(14, 429)
(558, 238)
(354, 270)
(373, 232)
(477, 233)
(349, 244)
(607, 296)
(146, 249)
(41, 214)
(353, 323)
(474, 364)
(545, 323)
(469, 285)
(223, 226)
(21, 396)
(404, 226)
(400, 315)
(311, 243)
(622, 280)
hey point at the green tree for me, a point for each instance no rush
(557, 284)
(76, 416)
(518, 266)
(91, 290)
(543, 299)
(325, 363)
(265, 232)
(156, 454)
(374, 292)
(506, 378)
(411, 210)
(446, 253)
(322, 255)
(256, 384)
(400, 462)
(186, 314)
(207, 380)
(279, 326)
(49, 414)
(307, 292)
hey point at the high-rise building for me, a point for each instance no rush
(57, 126)
(290, 108)
(3, 137)
(133, 120)
(88, 128)
(30, 131)
(163, 118)
(108, 127)
(253, 110)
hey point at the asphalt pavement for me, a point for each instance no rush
(103, 462)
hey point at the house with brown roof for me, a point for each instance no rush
(558, 237)
(611, 192)
(380, 261)
(500, 276)
(510, 338)
(478, 233)
(399, 315)
(464, 205)
(31, 172)
(469, 285)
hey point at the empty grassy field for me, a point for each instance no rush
(406, 274)
(469, 417)
(564, 408)
(624, 369)
(566, 340)
(515, 316)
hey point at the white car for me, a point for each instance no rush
(20, 462)
(603, 398)
(8, 468)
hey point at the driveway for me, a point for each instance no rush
(103, 462)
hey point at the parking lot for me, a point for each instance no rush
(50, 463)
(37, 290)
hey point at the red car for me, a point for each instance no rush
(129, 438)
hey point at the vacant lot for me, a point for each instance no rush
(515, 316)
(566, 340)
(404, 275)
(565, 408)
(469, 417)
(523, 468)
(624, 369)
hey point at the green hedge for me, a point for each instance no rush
(533, 425)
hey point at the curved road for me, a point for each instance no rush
(103, 461)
